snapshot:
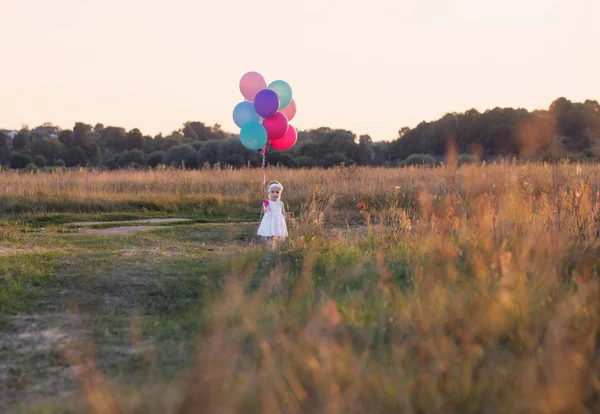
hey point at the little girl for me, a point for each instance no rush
(273, 222)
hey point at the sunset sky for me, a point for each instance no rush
(368, 66)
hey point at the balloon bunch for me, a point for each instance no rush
(265, 114)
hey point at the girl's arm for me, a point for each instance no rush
(284, 213)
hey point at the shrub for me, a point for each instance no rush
(465, 159)
(133, 158)
(280, 158)
(31, 167)
(420, 159)
(197, 145)
(589, 153)
(59, 163)
(75, 156)
(109, 161)
(191, 160)
(40, 161)
(335, 158)
(176, 155)
(156, 158)
(304, 161)
(18, 160)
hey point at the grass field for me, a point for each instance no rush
(471, 290)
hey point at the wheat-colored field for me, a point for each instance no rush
(470, 290)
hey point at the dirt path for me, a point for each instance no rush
(148, 221)
(121, 230)
(120, 227)
(7, 251)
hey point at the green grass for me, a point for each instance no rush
(101, 282)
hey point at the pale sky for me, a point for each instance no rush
(371, 66)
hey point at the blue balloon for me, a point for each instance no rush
(243, 113)
(266, 103)
(284, 91)
(253, 136)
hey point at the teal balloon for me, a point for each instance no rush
(243, 113)
(284, 91)
(253, 136)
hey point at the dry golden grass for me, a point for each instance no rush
(400, 290)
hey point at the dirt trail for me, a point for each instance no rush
(121, 227)
(149, 221)
(8, 251)
(121, 230)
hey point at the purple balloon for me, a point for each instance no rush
(266, 103)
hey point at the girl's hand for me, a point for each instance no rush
(266, 209)
(289, 214)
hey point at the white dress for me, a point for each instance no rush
(273, 222)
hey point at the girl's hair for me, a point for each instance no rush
(274, 184)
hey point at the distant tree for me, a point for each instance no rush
(92, 150)
(80, 132)
(3, 140)
(217, 132)
(280, 158)
(197, 131)
(177, 155)
(208, 154)
(334, 159)
(197, 144)
(305, 162)
(99, 128)
(173, 140)
(336, 141)
(75, 156)
(109, 161)
(114, 138)
(191, 160)
(131, 159)
(66, 138)
(366, 150)
(501, 140)
(21, 140)
(156, 158)
(232, 152)
(560, 107)
(146, 139)
(306, 148)
(402, 131)
(152, 144)
(49, 148)
(135, 139)
(382, 152)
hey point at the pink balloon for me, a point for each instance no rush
(276, 126)
(290, 110)
(287, 141)
(252, 83)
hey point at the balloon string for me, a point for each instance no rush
(264, 154)
(264, 183)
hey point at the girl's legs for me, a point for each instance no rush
(277, 240)
(270, 241)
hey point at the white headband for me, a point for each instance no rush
(275, 185)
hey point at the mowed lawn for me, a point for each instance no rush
(470, 290)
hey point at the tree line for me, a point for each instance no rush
(565, 129)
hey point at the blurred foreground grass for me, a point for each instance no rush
(417, 291)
